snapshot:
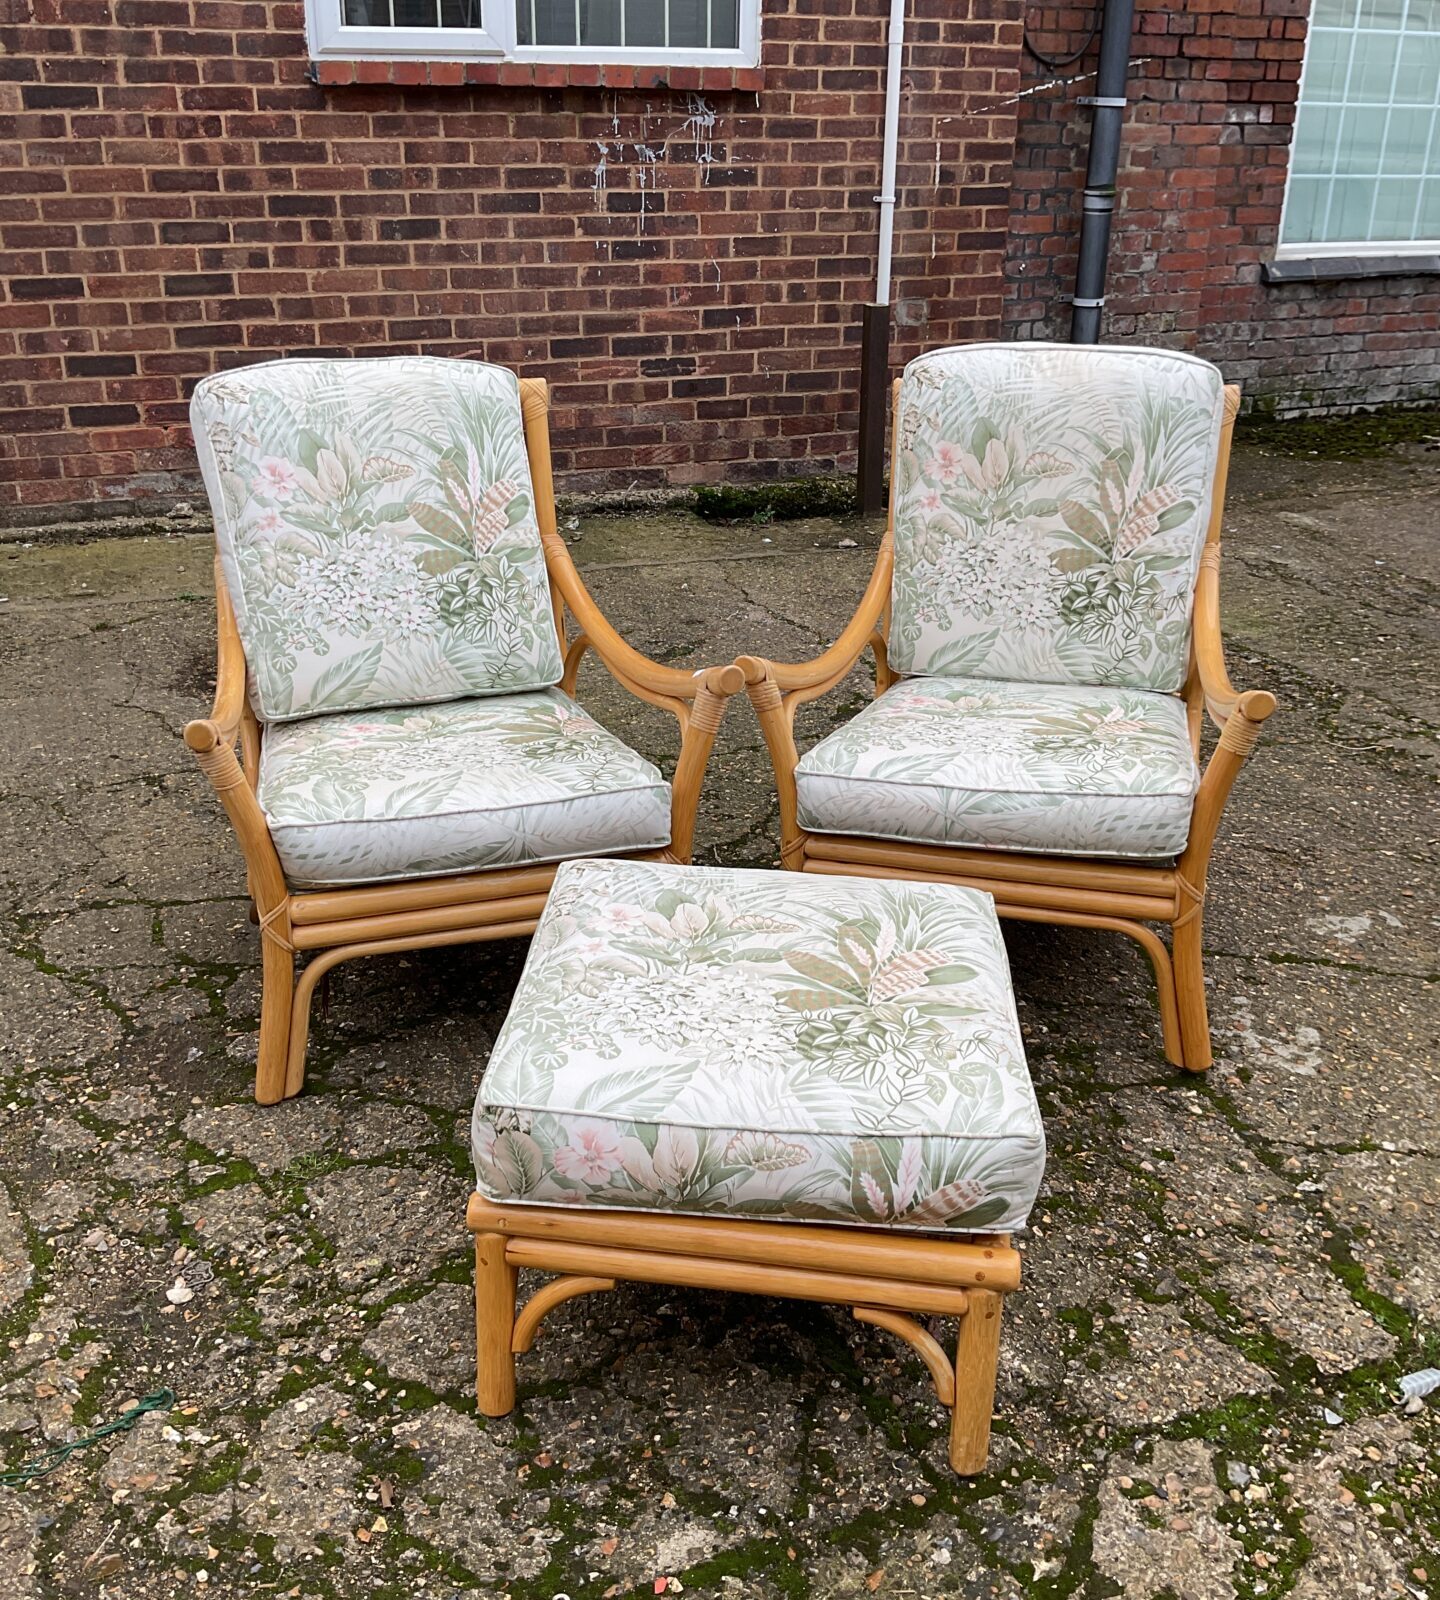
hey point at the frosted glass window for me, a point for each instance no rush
(1365, 160)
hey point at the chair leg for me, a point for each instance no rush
(494, 1326)
(976, 1352)
(277, 988)
(1190, 992)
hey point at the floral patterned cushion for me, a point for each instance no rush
(377, 531)
(1051, 506)
(360, 797)
(761, 1044)
(1008, 766)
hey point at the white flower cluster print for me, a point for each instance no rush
(1051, 505)
(761, 1044)
(377, 530)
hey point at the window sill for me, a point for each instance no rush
(532, 75)
(1329, 269)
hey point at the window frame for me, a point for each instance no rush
(331, 38)
(1331, 249)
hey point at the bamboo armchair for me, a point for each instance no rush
(325, 927)
(1037, 887)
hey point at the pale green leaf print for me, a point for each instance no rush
(346, 682)
(855, 1108)
(1029, 476)
(1087, 771)
(340, 531)
(373, 795)
(828, 974)
(518, 1162)
(961, 657)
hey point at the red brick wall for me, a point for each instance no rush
(1201, 184)
(177, 196)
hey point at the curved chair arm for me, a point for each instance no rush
(808, 680)
(776, 688)
(228, 708)
(697, 700)
(1222, 698)
(650, 680)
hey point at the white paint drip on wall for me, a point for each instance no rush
(700, 124)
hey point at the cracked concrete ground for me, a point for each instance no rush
(1224, 1279)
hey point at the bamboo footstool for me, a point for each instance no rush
(774, 1083)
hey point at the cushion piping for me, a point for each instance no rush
(468, 811)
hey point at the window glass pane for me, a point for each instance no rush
(1381, 14)
(1317, 140)
(367, 13)
(1362, 134)
(1305, 209)
(1372, 68)
(1405, 142)
(1429, 222)
(645, 23)
(1423, 16)
(1417, 83)
(1394, 212)
(725, 24)
(689, 23)
(460, 13)
(600, 22)
(415, 13)
(553, 21)
(1348, 216)
(1333, 14)
(1326, 64)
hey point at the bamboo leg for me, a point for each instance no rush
(277, 986)
(494, 1326)
(1190, 992)
(976, 1351)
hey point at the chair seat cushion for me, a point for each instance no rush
(763, 1044)
(361, 797)
(1053, 768)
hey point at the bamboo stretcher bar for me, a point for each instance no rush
(705, 1272)
(381, 899)
(1144, 908)
(405, 924)
(1016, 867)
(968, 1260)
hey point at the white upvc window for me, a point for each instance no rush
(692, 33)
(1364, 175)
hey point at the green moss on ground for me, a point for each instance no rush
(777, 502)
(1361, 434)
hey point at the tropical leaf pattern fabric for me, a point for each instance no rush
(760, 1044)
(1008, 766)
(376, 525)
(1051, 507)
(361, 797)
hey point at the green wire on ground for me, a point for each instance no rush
(41, 1466)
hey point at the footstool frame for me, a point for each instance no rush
(886, 1279)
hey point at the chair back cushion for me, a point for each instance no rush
(1051, 506)
(376, 524)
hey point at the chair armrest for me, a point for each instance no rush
(650, 680)
(1222, 699)
(807, 680)
(228, 707)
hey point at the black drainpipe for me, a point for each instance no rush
(1108, 102)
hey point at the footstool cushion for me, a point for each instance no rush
(763, 1044)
